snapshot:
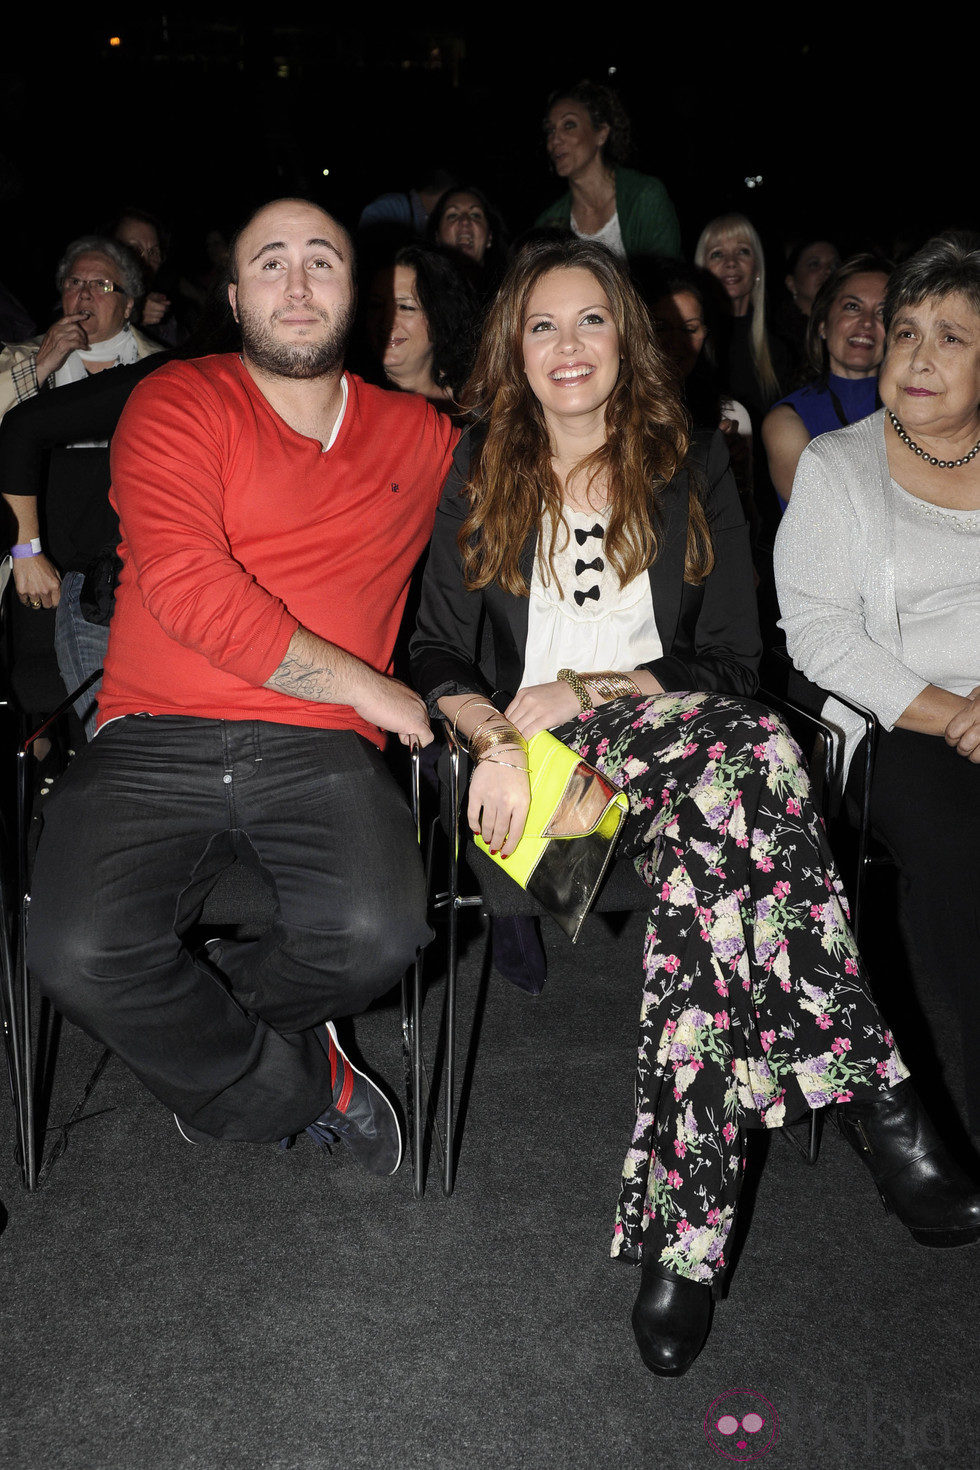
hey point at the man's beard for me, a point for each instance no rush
(297, 359)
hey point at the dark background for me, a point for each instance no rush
(859, 135)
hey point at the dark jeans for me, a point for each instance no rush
(135, 834)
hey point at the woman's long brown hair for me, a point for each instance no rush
(513, 489)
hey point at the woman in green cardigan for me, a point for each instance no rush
(587, 135)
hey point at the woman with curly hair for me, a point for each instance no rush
(583, 528)
(421, 321)
(587, 135)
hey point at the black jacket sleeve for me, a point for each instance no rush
(445, 645)
(716, 643)
(78, 411)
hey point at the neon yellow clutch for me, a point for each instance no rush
(570, 833)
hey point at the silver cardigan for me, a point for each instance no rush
(834, 564)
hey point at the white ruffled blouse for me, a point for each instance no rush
(592, 623)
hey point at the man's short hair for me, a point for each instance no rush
(232, 268)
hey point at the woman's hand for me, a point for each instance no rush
(155, 308)
(37, 582)
(66, 336)
(542, 706)
(499, 798)
(963, 730)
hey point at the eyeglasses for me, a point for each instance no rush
(75, 283)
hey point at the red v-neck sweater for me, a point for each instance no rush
(236, 530)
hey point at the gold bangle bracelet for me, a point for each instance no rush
(577, 687)
(474, 699)
(608, 684)
(481, 746)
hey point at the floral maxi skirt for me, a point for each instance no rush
(755, 1002)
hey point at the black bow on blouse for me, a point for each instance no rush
(589, 566)
(581, 596)
(582, 536)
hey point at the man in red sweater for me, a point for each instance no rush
(272, 508)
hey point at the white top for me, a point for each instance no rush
(605, 627)
(610, 235)
(937, 590)
(836, 565)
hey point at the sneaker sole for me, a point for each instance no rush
(372, 1084)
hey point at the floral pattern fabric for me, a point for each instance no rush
(755, 1003)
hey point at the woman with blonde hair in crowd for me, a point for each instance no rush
(751, 362)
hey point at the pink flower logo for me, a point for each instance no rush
(741, 1425)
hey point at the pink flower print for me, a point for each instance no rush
(793, 807)
(781, 889)
(766, 722)
(741, 842)
(677, 1095)
(824, 1022)
(816, 910)
(683, 1226)
(728, 1132)
(717, 750)
(759, 751)
(665, 891)
(680, 1149)
(672, 963)
(722, 1020)
(767, 1038)
(889, 1039)
(689, 748)
(674, 1179)
(843, 1096)
(851, 967)
(881, 1069)
(689, 714)
(840, 1045)
(721, 987)
(785, 985)
(670, 1027)
(714, 1216)
(765, 863)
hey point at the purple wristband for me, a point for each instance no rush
(26, 548)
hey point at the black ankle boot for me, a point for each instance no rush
(917, 1178)
(671, 1319)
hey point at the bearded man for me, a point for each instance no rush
(272, 508)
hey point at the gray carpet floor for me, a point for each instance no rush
(169, 1307)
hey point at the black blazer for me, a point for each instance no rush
(474, 641)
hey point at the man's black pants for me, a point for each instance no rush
(135, 834)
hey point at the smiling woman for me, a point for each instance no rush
(845, 345)
(582, 529)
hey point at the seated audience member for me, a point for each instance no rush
(421, 323)
(845, 344)
(680, 318)
(100, 284)
(464, 222)
(878, 573)
(400, 216)
(748, 358)
(52, 481)
(807, 267)
(242, 713)
(635, 640)
(587, 135)
(165, 314)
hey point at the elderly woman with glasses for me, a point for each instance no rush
(877, 566)
(100, 283)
